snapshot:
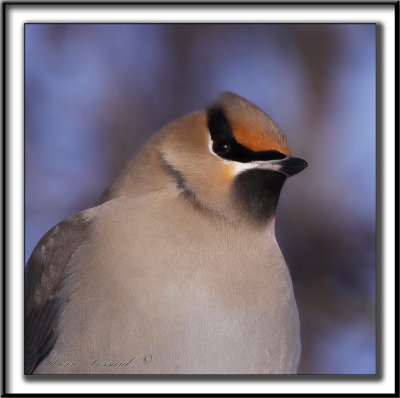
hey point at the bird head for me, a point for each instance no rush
(230, 159)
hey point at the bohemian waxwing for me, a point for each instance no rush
(177, 269)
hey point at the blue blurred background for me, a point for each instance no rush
(95, 93)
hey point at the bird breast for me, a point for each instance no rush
(193, 292)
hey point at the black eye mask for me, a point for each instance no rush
(225, 144)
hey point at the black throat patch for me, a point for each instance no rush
(256, 192)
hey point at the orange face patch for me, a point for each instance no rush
(257, 141)
(226, 173)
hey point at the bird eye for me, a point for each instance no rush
(221, 147)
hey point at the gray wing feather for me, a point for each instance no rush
(45, 273)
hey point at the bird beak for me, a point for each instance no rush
(288, 166)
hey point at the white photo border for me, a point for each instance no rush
(15, 15)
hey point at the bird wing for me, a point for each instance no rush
(45, 273)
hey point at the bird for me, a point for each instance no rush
(176, 269)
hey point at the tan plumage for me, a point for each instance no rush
(177, 269)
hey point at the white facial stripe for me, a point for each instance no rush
(241, 167)
(210, 144)
(273, 165)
